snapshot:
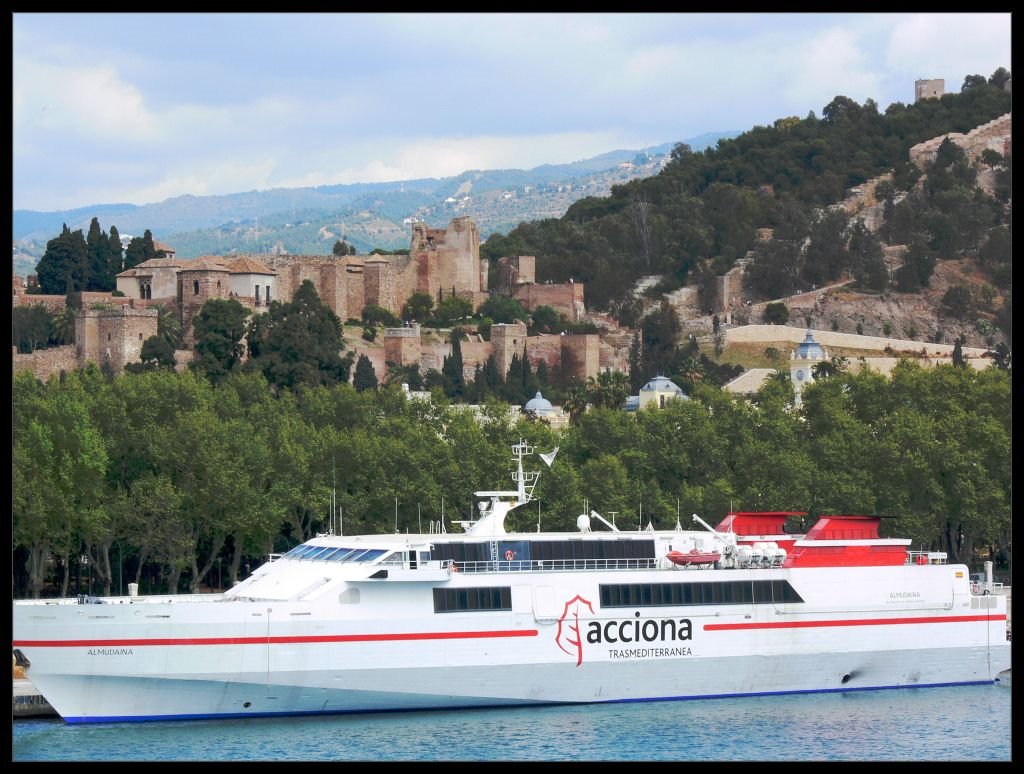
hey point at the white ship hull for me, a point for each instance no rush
(136, 659)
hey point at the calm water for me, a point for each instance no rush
(938, 724)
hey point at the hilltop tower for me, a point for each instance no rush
(929, 89)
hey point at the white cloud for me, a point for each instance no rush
(950, 45)
(831, 63)
(93, 102)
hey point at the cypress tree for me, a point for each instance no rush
(451, 370)
(95, 256)
(365, 377)
(114, 252)
(64, 265)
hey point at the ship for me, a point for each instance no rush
(487, 617)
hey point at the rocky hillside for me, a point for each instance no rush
(919, 316)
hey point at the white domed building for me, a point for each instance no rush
(540, 407)
(658, 390)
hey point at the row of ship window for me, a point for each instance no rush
(333, 554)
(632, 595)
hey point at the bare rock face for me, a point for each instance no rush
(917, 316)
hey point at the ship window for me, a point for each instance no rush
(321, 550)
(343, 554)
(300, 551)
(472, 599)
(725, 593)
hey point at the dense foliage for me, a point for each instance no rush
(170, 481)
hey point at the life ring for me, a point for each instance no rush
(454, 567)
(510, 555)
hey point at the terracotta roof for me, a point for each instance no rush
(160, 263)
(204, 263)
(161, 246)
(247, 265)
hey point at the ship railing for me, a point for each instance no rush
(555, 565)
(980, 587)
(926, 557)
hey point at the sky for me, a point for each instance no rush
(140, 107)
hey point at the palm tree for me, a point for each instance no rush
(62, 328)
(168, 326)
(614, 386)
(575, 402)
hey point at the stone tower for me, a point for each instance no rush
(198, 282)
(508, 339)
(802, 362)
(929, 89)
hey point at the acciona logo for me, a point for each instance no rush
(570, 633)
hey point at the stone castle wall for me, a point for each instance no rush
(995, 135)
(45, 363)
(566, 298)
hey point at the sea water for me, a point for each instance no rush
(968, 723)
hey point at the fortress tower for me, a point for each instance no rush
(929, 89)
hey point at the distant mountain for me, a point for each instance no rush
(368, 215)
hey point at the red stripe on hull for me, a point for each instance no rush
(853, 622)
(277, 640)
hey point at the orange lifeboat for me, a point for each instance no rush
(693, 557)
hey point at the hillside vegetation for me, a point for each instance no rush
(702, 212)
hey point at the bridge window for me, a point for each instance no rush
(472, 599)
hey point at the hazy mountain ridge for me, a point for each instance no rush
(369, 215)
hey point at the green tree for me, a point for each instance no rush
(826, 255)
(775, 313)
(60, 462)
(502, 309)
(140, 249)
(452, 309)
(300, 342)
(62, 327)
(156, 353)
(342, 247)
(867, 259)
(219, 329)
(65, 264)
(365, 377)
(115, 254)
(958, 355)
(575, 403)
(958, 301)
(637, 373)
(545, 319)
(452, 370)
(168, 325)
(378, 315)
(418, 307)
(30, 327)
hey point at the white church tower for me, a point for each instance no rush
(802, 362)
